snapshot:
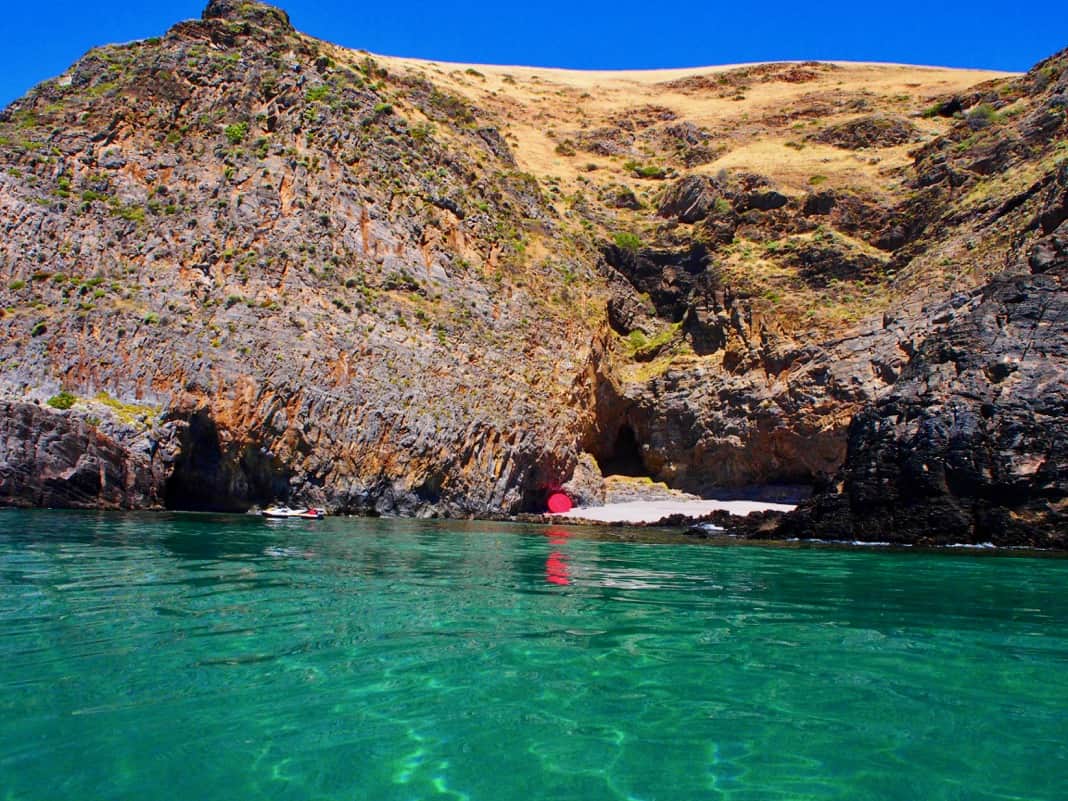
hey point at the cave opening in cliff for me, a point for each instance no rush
(625, 457)
(192, 484)
(210, 477)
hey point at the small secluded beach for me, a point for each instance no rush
(652, 511)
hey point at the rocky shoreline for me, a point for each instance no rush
(241, 265)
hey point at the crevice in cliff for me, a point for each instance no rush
(625, 456)
(615, 441)
(211, 474)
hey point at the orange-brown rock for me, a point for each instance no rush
(273, 269)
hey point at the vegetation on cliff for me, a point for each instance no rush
(386, 285)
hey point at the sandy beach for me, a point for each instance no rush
(652, 511)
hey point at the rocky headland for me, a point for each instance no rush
(242, 265)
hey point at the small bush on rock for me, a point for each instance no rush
(63, 400)
(236, 132)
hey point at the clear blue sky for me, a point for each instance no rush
(38, 41)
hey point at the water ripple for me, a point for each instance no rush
(379, 659)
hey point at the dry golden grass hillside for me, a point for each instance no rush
(756, 115)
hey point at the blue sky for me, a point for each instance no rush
(596, 35)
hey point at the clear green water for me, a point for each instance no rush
(195, 657)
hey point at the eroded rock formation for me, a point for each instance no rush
(970, 444)
(270, 268)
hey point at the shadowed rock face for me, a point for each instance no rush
(971, 442)
(49, 459)
(271, 269)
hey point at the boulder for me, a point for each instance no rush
(766, 200)
(587, 485)
(819, 204)
(689, 199)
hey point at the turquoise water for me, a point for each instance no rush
(199, 657)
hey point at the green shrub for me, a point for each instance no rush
(235, 132)
(645, 170)
(130, 212)
(384, 108)
(63, 400)
(38, 329)
(16, 285)
(642, 346)
(450, 105)
(422, 131)
(773, 295)
(317, 93)
(627, 241)
(981, 116)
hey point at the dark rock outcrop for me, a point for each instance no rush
(819, 203)
(869, 131)
(767, 200)
(971, 443)
(668, 277)
(690, 199)
(621, 197)
(50, 459)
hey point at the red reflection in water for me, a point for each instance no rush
(556, 565)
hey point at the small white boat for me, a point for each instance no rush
(284, 512)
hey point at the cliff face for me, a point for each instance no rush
(55, 461)
(229, 225)
(971, 442)
(270, 268)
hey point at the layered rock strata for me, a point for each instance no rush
(268, 268)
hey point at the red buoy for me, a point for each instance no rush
(559, 503)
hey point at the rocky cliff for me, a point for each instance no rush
(265, 267)
(326, 297)
(970, 444)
